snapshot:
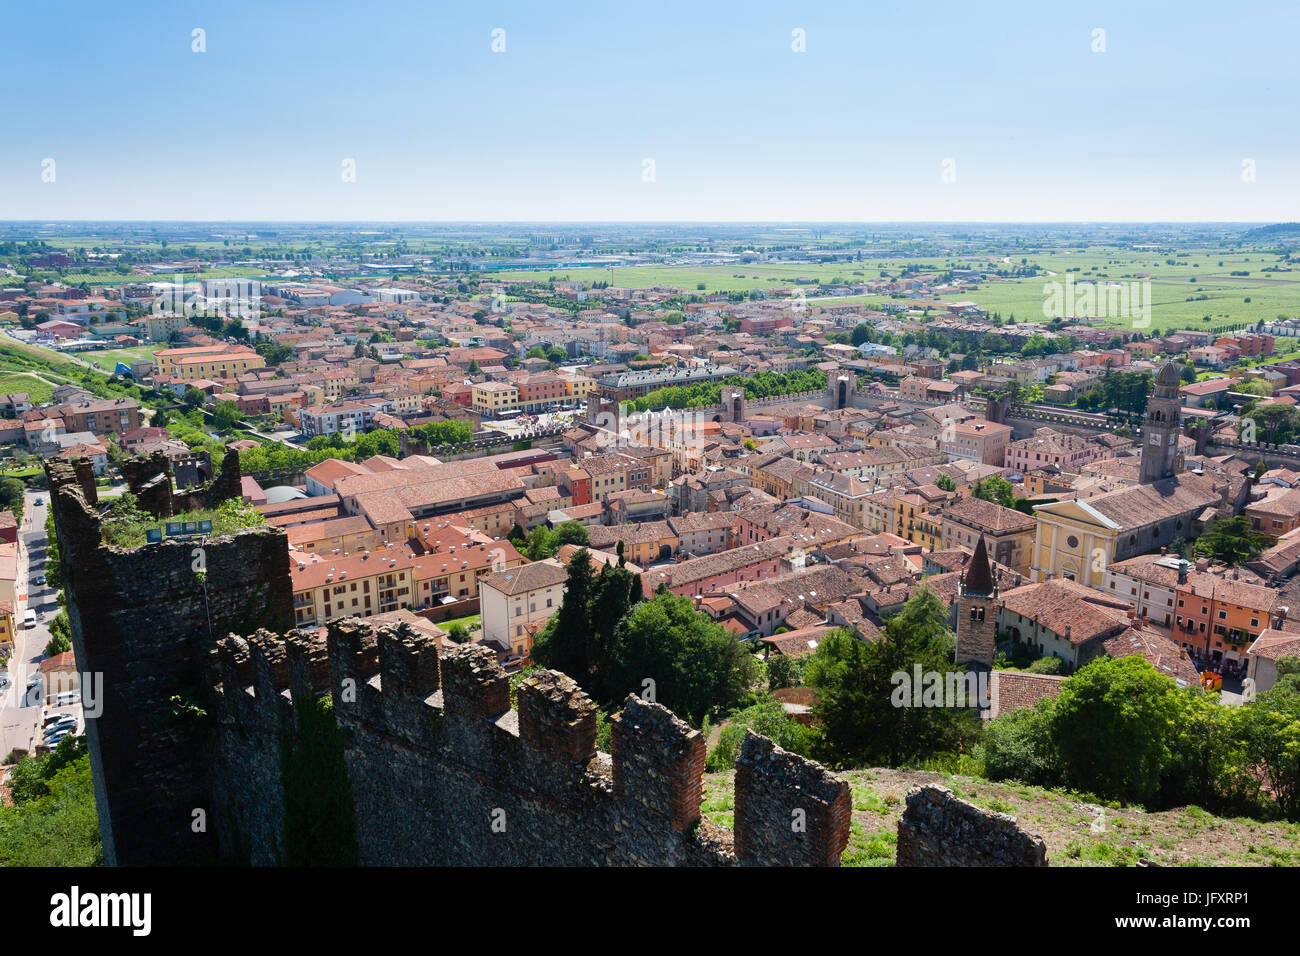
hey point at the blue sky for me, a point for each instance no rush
(738, 125)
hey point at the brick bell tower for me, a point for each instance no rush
(977, 611)
(1160, 429)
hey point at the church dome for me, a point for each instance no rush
(1168, 375)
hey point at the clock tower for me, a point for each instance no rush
(1160, 430)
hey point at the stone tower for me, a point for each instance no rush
(733, 404)
(1160, 430)
(841, 386)
(977, 611)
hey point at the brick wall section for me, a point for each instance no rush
(144, 622)
(789, 811)
(658, 762)
(937, 829)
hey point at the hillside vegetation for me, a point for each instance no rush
(1078, 830)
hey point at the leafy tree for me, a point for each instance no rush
(60, 634)
(1047, 665)
(997, 490)
(53, 821)
(786, 671)
(1270, 734)
(1256, 386)
(1231, 541)
(570, 532)
(11, 496)
(767, 717)
(856, 684)
(695, 664)
(193, 398)
(225, 416)
(1275, 424)
(945, 483)
(1019, 746)
(1112, 725)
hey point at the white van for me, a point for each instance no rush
(29, 619)
(68, 697)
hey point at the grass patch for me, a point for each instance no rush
(38, 390)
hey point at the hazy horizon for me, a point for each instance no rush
(396, 111)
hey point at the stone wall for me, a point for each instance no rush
(442, 771)
(937, 829)
(142, 623)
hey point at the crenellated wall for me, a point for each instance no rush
(443, 772)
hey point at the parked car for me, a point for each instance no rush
(60, 726)
(29, 619)
(68, 697)
(34, 681)
(40, 579)
(54, 740)
(56, 718)
(39, 502)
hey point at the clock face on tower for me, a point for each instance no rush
(1155, 438)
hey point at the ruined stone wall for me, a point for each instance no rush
(443, 772)
(143, 622)
(937, 829)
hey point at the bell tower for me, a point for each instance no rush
(1160, 429)
(977, 611)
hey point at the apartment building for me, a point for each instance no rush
(493, 398)
(206, 361)
(101, 416)
(976, 440)
(516, 603)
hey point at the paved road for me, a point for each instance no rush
(21, 712)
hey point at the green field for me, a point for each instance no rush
(108, 360)
(37, 389)
(1176, 300)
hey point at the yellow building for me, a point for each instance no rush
(493, 398)
(1079, 539)
(329, 586)
(207, 361)
(914, 521)
(579, 386)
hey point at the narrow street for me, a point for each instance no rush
(21, 712)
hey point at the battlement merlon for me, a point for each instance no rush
(473, 684)
(658, 762)
(556, 717)
(309, 663)
(408, 676)
(789, 810)
(258, 663)
(354, 661)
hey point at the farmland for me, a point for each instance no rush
(1186, 287)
